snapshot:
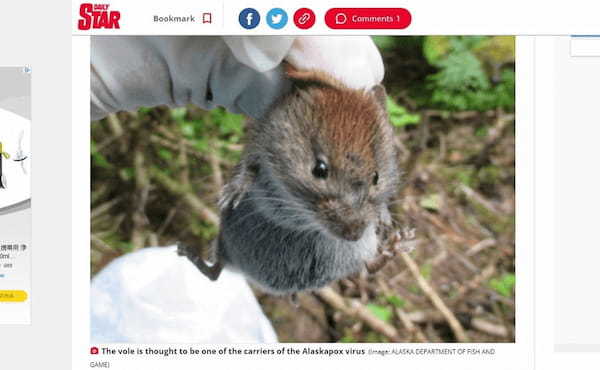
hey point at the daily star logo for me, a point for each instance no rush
(97, 16)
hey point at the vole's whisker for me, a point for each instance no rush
(267, 209)
(275, 200)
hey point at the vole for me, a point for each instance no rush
(304, 203)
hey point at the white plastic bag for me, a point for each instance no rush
(155, 296)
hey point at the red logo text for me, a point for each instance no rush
(97, 16)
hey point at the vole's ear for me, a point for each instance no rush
(380, 95)
(303, 79)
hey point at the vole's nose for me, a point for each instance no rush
(353, 230)
(343, 220)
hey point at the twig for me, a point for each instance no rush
(489, 328)
(142, 185)
(477, 323)
(215, 166)
(413, 330)
(115, 124)
(101, 246)
(117, 130)
(478, 247)
(155, 139)
(457, 329)
(433, 262)
(186, 195)
(153, 239)
(182, 165)
(104, 207)
(357, 310)
(485, 275)
(478, 198)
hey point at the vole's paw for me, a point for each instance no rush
(230, 197)
(409, 233)
(224, 199)
(403, 241)
(236, 199)
(186, 251)
(182, 250)
(233, 192)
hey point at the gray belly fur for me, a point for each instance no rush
(283, 260)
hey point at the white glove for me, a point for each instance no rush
(155, 296)
(241, 73)
(354, 60)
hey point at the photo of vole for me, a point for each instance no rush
(303, 205)
(303, 191)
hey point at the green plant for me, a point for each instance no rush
(98, 158)
(399, 116)
(503, 285)
(432, 202)
(384, 313)
(396, 301)
(462, 81)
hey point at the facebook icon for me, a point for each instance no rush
(249, 18)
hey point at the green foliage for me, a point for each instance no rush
(497, 49)
(383, 313)
(348, 337)
(165, 154)
(432, 202)
(435, 48)
(396, 301)
(414, 288)
(178, 114)
(98, 158)
(481, 131)
(126, 173)
(385, 42)
(466, 66)
(205, 129)
(374, 337)
(426, 270)
(504, 285)
(125, 247)
(228, 123)
(399, 116)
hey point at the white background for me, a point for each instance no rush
(577, 179)
(555, 228)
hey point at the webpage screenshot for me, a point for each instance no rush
(266, 185)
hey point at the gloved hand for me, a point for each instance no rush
(241, 73)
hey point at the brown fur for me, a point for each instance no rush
(349, 118)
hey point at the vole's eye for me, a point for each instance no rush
(320, 171)
(375, 178)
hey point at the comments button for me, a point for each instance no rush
(368, 18)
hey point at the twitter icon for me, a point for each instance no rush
(277, 18)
